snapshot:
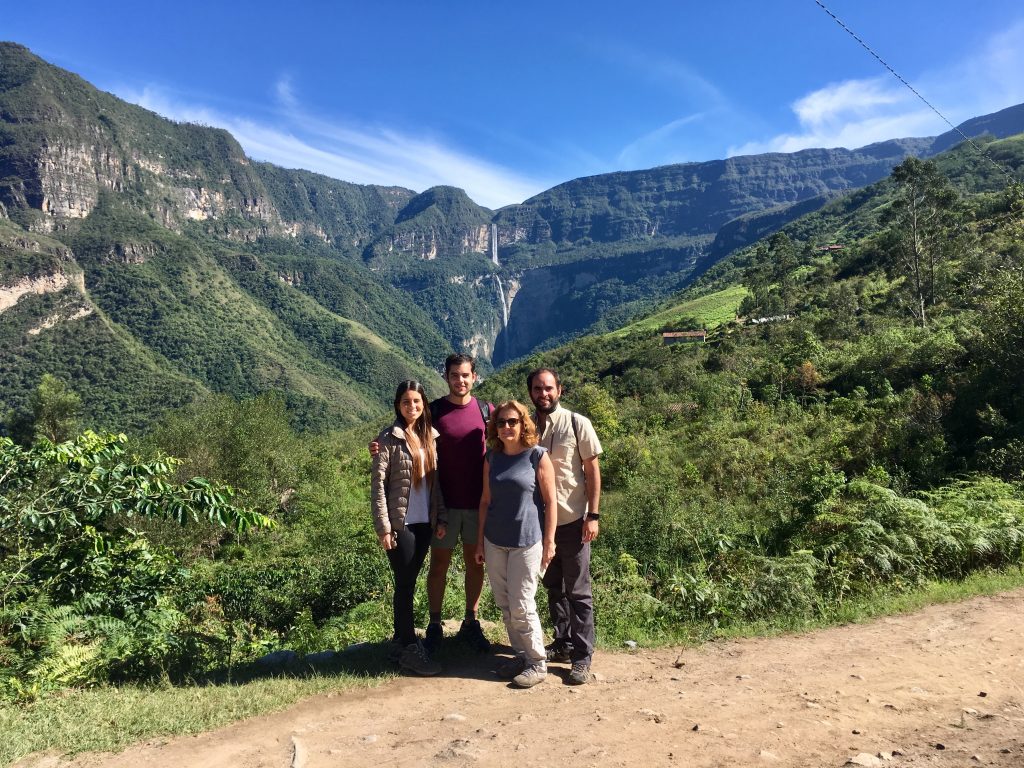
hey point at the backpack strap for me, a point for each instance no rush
(435, 410)
(575, 418)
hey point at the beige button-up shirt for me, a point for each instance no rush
(570, 482)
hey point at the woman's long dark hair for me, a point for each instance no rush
(419, 434)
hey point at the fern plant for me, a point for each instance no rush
(84, 598)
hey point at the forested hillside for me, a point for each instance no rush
(854, 433)
(148, 262)
(857, 427)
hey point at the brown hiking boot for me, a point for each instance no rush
(580, 673)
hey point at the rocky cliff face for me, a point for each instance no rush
(441, 222)
(691, 199)
(63, 144)
(562, 300)
(130, 189)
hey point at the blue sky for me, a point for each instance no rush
(506, 100)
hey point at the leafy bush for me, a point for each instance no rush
(83, 597)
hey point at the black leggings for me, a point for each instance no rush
(406, 562)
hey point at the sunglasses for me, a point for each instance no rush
(507, 423)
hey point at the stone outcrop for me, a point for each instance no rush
(53, 320)
(51, 283)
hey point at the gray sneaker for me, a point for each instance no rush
(509, 668)
(415, 659)
(529, 677)
(580, 673)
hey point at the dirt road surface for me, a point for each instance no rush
(941, 687)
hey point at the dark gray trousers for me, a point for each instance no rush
(570, 595)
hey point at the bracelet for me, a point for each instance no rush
(592, 516)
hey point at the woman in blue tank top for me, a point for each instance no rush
(516, 538)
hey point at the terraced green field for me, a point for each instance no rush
(710, 311)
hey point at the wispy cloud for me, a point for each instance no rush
(358, 154)
(663, 142)
(854, 113)
(285, 92)
(686, 84)
(683, 89)
(851, 114)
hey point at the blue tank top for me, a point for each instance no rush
(514, 515)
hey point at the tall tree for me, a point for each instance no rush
(55, 409)
(922, 222)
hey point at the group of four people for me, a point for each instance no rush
(523, 496)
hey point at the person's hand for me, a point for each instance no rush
(388, 540)
(441, 530)
(548, 556)
(591, 528)
(479, 556)
(373, 448)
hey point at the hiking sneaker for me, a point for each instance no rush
(434, 636)
(558, 651)
(395, 650)
(509, 668)
(580, 673)
(415, 659)
(472, 634)
(531, 675)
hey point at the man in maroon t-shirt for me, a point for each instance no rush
(461, 420)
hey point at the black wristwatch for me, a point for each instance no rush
(592, 516)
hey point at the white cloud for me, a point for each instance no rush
(355, 154)
(285, 92)
(851, 114)
(683, 81)
(854, 113)
(663, 143)
(825, 107)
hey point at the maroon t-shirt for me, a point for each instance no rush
(460, 452)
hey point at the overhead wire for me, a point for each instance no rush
(914, 91)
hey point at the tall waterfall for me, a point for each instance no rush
(501, 298)
(494, 243)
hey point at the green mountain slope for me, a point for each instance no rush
(844, 372)
(50, 324)
(238, 276)
(158, 222)
(843, 445)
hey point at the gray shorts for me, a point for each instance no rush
(461, 522)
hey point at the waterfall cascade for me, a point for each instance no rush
(501, 298)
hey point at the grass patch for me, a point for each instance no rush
(111, 718)
(854, 611)
(710, 311)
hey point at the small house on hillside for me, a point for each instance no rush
(684, 337)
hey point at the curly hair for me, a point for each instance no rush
(527, 429)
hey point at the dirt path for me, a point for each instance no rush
(942, 687)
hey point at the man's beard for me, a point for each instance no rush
(545, 410)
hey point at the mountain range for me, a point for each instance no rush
(147, 261)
